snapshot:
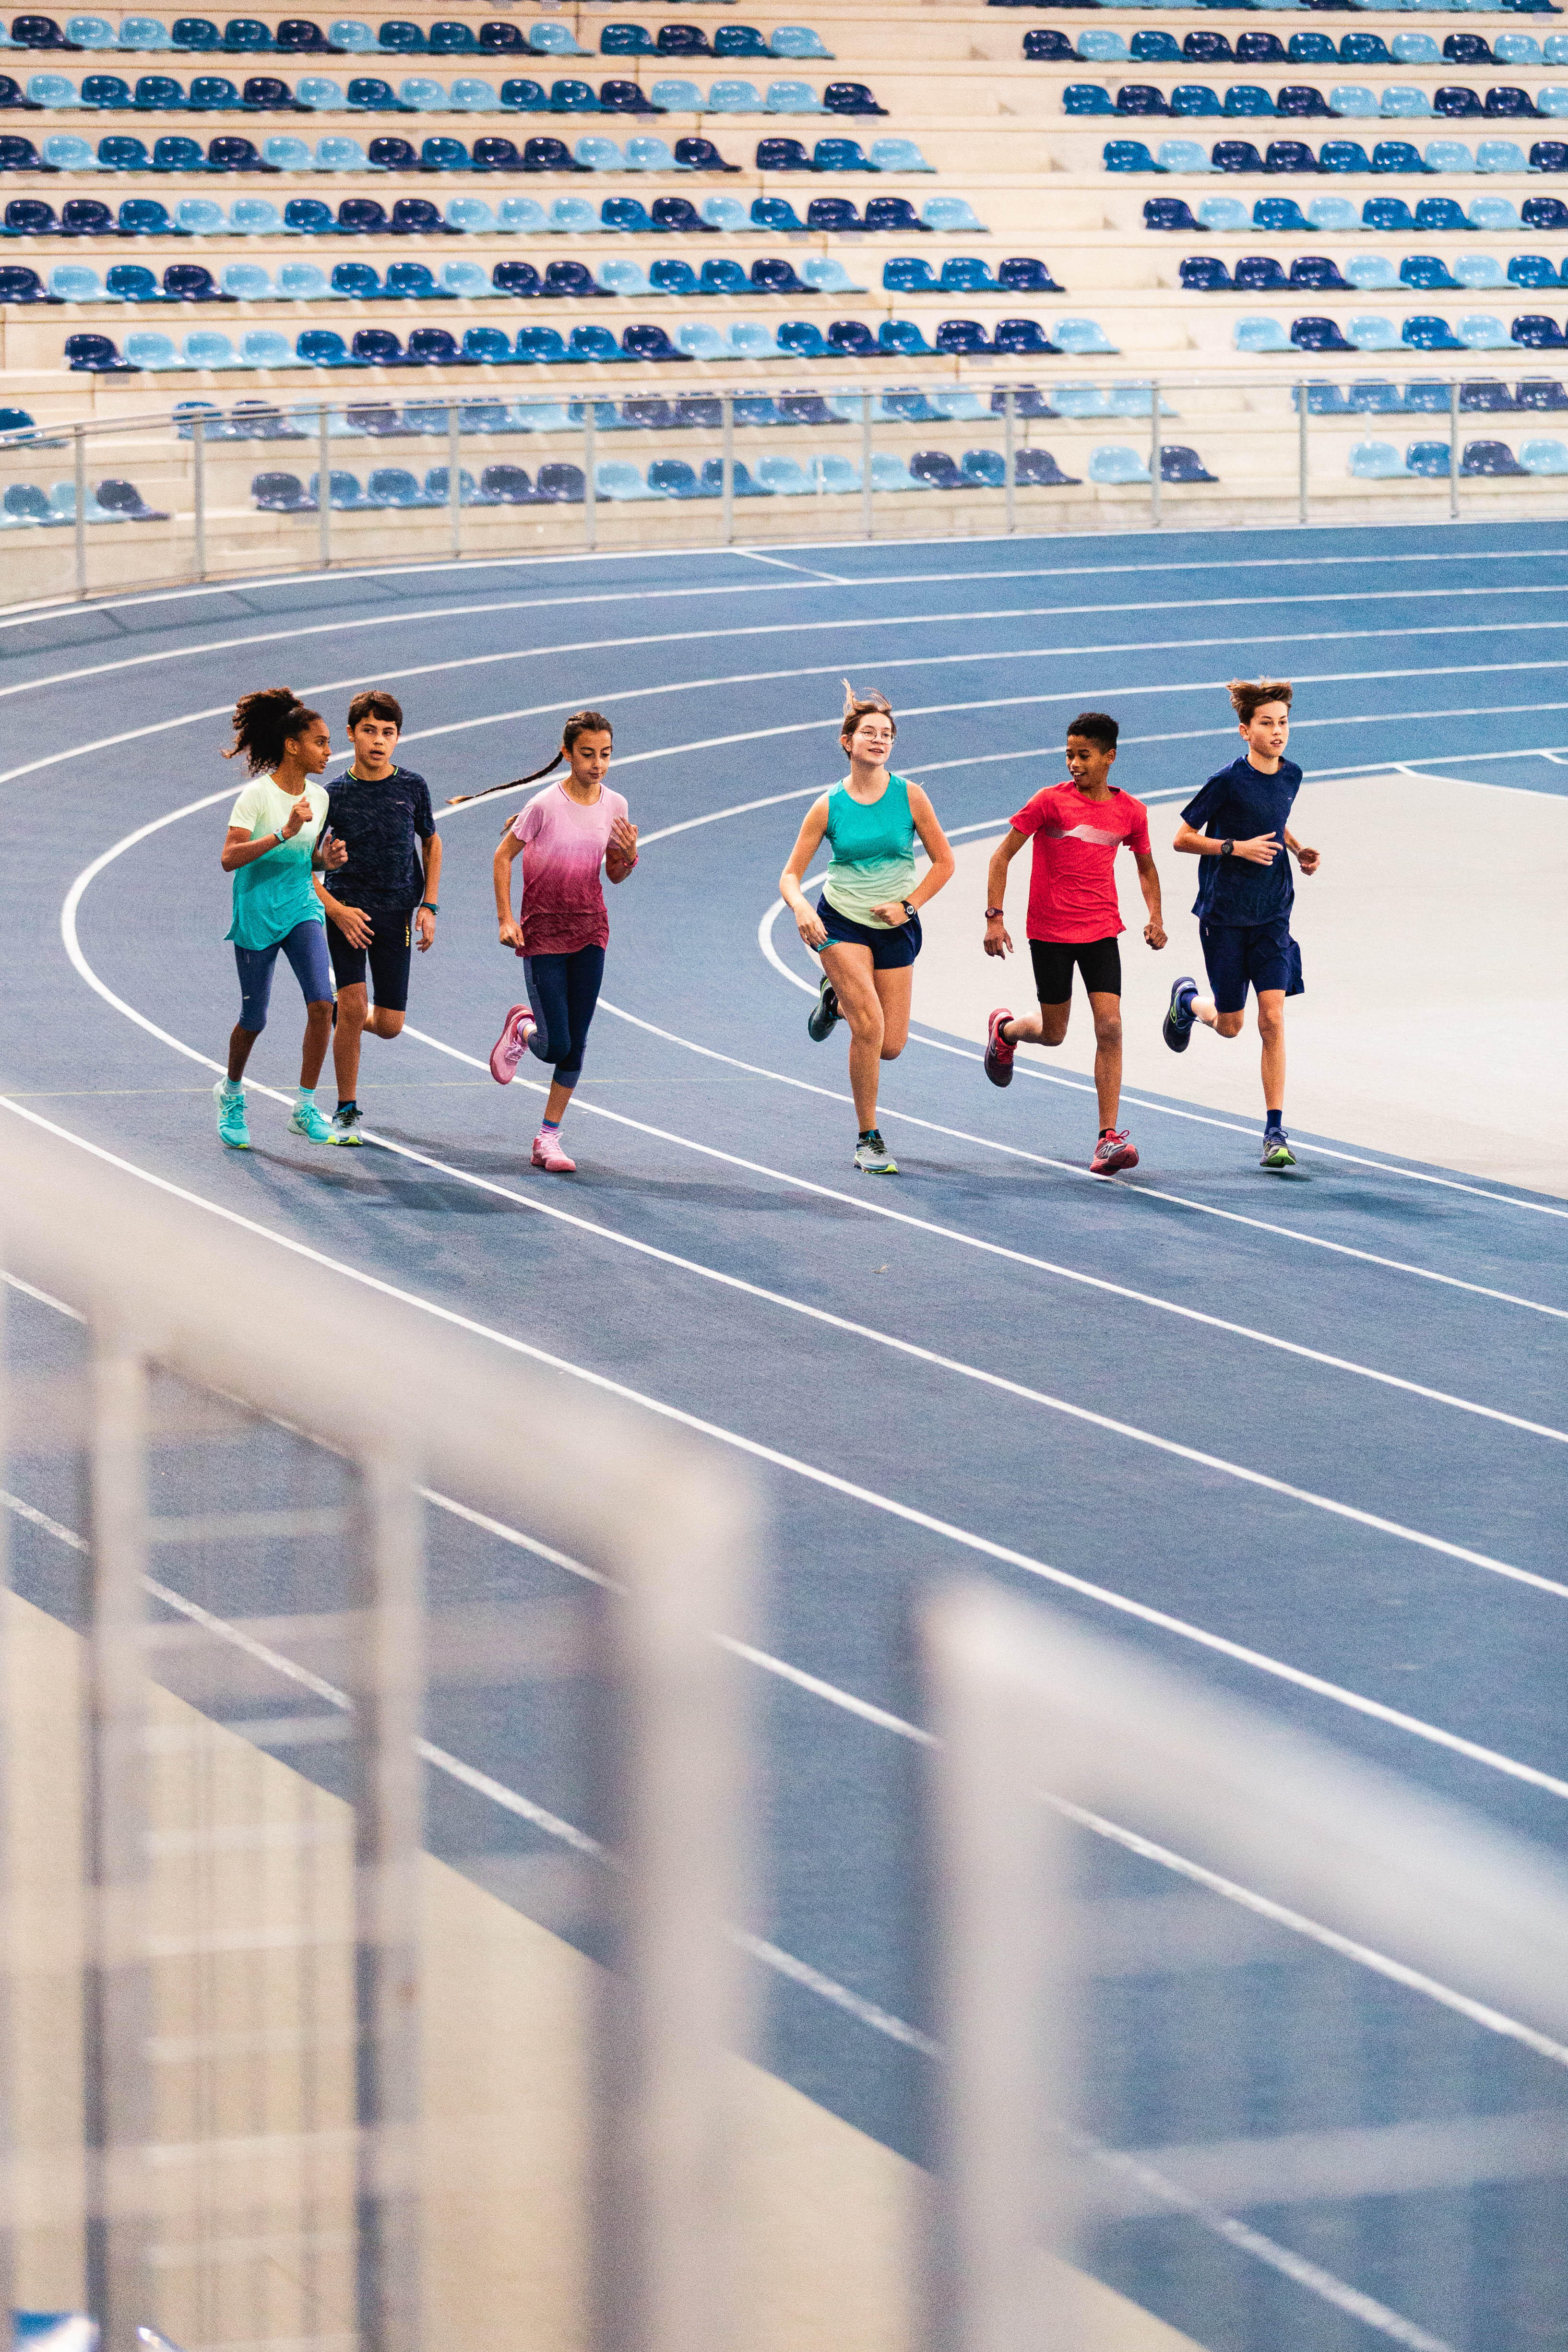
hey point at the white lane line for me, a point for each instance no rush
(873, 1205)
(846, 1702)
(908, 1514)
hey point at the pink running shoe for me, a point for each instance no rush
(1112, 1153)
(999, 1050)
(548, 1154)
(512, 1045)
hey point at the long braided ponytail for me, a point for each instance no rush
(582, 722)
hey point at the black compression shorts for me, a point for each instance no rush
(1100, 960)
(388, 955)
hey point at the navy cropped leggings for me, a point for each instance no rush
(562, 991)
(306, 949)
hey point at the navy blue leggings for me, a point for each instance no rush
(562, 991)
(306, 949)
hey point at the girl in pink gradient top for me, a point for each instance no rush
(565, 834)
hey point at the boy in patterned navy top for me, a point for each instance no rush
(1245, 894)
(388, 889)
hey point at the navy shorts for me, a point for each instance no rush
(890, 949)
(1262, 953)
(388, 957)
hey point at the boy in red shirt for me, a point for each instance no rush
(1074, 917)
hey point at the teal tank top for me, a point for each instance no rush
(873, 845)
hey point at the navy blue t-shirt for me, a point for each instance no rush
(1237, 805)
(379, 824)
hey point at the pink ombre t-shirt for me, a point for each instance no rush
(563, 847)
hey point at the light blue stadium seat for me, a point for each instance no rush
(209, 347)
(468, 280)
(961, 407)
(571, 216)
(1261, 335)
(1478, 272)
(53, 90)
(703, 342)
(791, 97)
(255, 216)
(91, 33)
(1500, 155)
(1102, 48)
(148, 347)
(64, 151)
(1372, 273)
(1224, 213)
(615, 478)
(1544, 456)
(1134, 400)
(73, 281)
(424, 93)
(798, 41)
(676, 97)
(1516, 49)
(786, 477)
(249, 280)
(287, 154)
(890, 473)
(748, 341)
(1332, 214)
(828, 274)
(645, 155)
(734, 98)
(471, 213)
(1497, 213)
(1375, 461)
(467, 95)
(1080, 400)
(1554, 49)
(340, 155)
(321, 91)
(1403, 101)
(1372, 335)
(1353, 100)
(1415, 49)
(599, 154)
(1480, 333)
(142, 33)
(520, 216)
(1449, 155)
(540, 416)
(200, 216)
(1081, 337)
(626, 279)
(1182, 155)
(1112, 462)
(837, 477)
(63, 499)
(304, 281)
(725, 212)
(554, 39)
(952, 216)
(352, 34)
(1552, 100)
(898, 155)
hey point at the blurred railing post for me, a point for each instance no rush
(866, 524)
(324, 486)
(116, 2011)
(79, 452)
(1453, 451)
(455, 476)
(590, 481)
(1302, 413)
(726, 466)
(1154, 455)
(1009, 407)
(199, 492)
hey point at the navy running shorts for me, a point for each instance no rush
(1100, 960)
(890, 949)
(1262, 953)
(388, 956)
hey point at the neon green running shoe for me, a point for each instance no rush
(308, 1122)
(231, 1127)
(1277, 1151)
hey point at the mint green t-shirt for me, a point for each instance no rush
(873, 845)
(275, 892)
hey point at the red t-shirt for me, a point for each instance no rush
(1072, 890)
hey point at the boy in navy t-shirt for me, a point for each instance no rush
(1237, 825)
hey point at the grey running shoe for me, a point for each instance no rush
(872, 1156)
(346, 1124)
(1177, 1031)
(1276, 1152)
(823, 1018)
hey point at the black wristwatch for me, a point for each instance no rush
(908, 909)
(1227, 849)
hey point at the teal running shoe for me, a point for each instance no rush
(308, 1122)
(231, 1127)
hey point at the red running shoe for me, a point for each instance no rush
(999, 1050)
(512, 1045)
(548, 1154)
(1112, 1153)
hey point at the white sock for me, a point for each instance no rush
(232, 1086)
(304, 1094)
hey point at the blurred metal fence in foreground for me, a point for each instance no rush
(1274, 2039)
(214, 1741)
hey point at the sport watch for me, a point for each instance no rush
(908, 908)
(1227, 849)
(994, 914)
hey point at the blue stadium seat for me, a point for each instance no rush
(1439, 216)
(901, 338)
(1150, 46)
(1139, 97)
(1396, 155)
(524, 96)
(1259, 273)
(1390, 214)
(197, 34)
(130, 281)
(1077, 98)
(143, 216)
(324, 347)
(1430, 458)
(1132, 155)
(520, 278)
(1304, 102)
(1537, 332)
(1247, 99)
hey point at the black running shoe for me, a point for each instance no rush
(823, 1018)
(1178, 1024)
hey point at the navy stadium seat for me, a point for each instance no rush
(1206, 274)
(891, 215)
(519, 278)
(1209, 48)
(417, 217)
(1320, 273)
(1235, 155)
(679, 216)
(1259, 273)
(1170, 212)
(1303, 101)
(1045, 45)
(701, 155)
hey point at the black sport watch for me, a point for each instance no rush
(907, 908)
(1227, 849)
